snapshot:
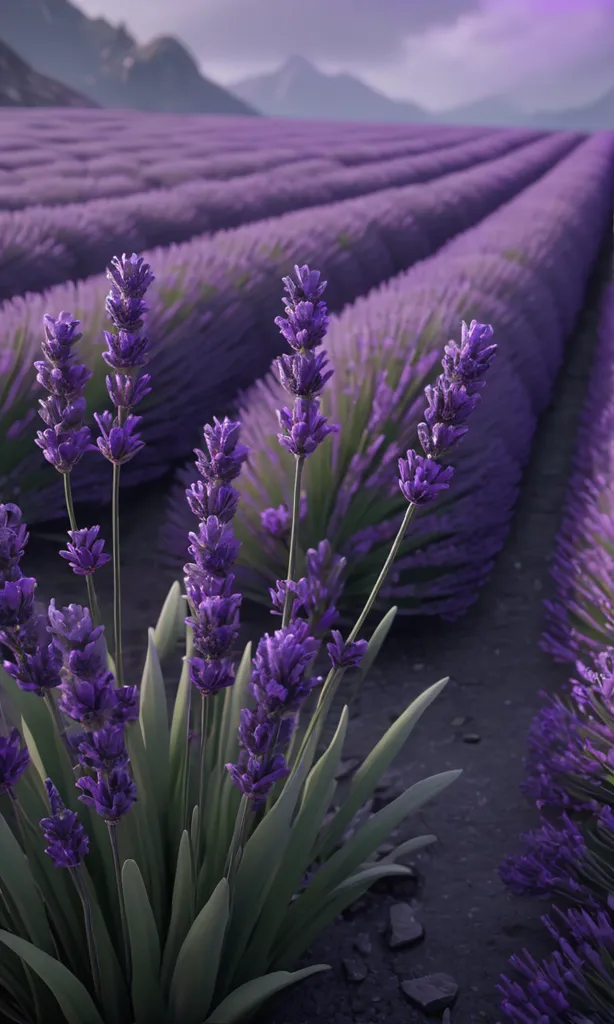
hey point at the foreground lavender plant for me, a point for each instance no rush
(236, 876)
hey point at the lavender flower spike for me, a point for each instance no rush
(68, 841)
(14, 759)
(85, 552)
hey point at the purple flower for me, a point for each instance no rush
(112, 795)
(104, 748)
(16, 602)
(125, 351)
(278, 521)
(304, 427)
(421, 479)
(225, 456)
(90, 701)
(85, 553)
(256, 776)
(14, 759)
(307, 317)
(63, 382)
(214, 547)
(549, 864)
(129, 276)
(209, 676)
(467, 363)
(60, 336)
(209, 500)
(125, 392)
(65, 415)
(118, 444)
(343, 655)
(302, 375)
(68, 842)
(13, 540)
(126, 707)
(63, 449)
(37, 670)
(73, 626)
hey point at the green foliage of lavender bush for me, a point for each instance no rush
(188, 874)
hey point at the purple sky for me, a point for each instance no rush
(440, 53)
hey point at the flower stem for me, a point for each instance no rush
(89, 582)
(335, 676)
(81, 888)
(204, 723)
(296, 515)
(120, 894)
(117, 592)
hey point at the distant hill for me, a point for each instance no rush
(597, 116)
(106, 63)
(20, 86)
(298, 89)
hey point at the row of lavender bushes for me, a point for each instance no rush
(569, 859)
(40, 247)
(64, 175)
(213, 306)
(527, 267)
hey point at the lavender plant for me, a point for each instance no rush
(190, 863)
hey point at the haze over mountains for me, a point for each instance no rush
(299, 89)
(21, 86)
(106, 64)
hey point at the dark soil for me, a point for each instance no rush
(480, 722)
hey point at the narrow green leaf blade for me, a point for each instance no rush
(169, 626)
(16, 878)
(182, 912)
(195, 975)
(75, 1001)
(245, 1000)
(375, 765)
(147, 999)
(153, 720)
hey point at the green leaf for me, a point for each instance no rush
(375, 765)
(147, 999)
(323, 914)
(195, 975)
(146, 818)
(357, 849)
(237, 697)
(262, 855)
(182, 911)
(16, 878)
(244, 1001)
(154, 724)
(178, 748)
(74, 999)
(375, 644)
(298, 855)
(169, 626)
(114, 992)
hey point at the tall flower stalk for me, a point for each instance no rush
(127, 352)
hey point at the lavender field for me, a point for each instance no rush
(504, 583)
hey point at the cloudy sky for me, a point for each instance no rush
(440, 53)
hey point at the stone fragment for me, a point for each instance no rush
(362, 943)
(355, 969)
(433, 993)
(405, 930)
(471, 737)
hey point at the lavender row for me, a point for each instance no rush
(525, 269)
(42, 177)
(580, 622)
(213, 304)
(41, 247)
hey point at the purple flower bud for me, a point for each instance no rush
(302, 375)
(14, 759)
(125, 392)
(127, 700)
(112, 794)
(215, 623)
(308, 287)
(85, 553)
(60, 336)
(89, 701)
(63, 449)
(68, 842)
(57, 412)
(225, 455)
(466, 363)
(16, 602)
(211, 676)
(421, 479)
(255, 777)
(118, 444)
(207, 499)
(66, 382)
(126, 351)
(214, 547)
(276, 521)
(344, 656)
(129, 276)
(37, 671)
(305, 428)
(13, 540)
(73, 626)
(104, 748)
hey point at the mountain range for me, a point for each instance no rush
(104, 62)
(299, 89)
(21, 86)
